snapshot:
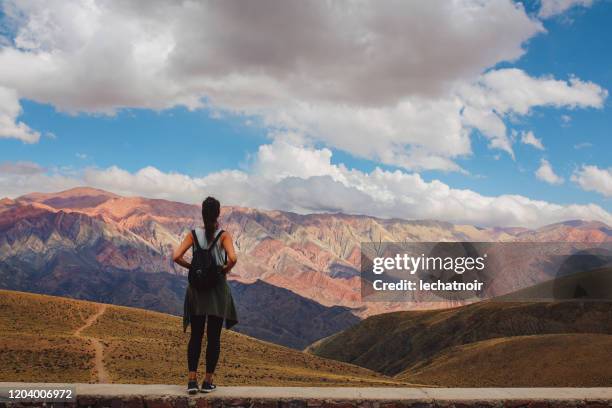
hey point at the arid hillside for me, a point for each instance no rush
(46, 338)
(491, 343)
(550, 360)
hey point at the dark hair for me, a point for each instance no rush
(211, 208)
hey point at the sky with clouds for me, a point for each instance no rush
(482, 112)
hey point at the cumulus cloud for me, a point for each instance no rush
(529, 138)
(173, 52)
(546, 173)
(276, 179)
(592, 178)
(514, 91)
(391, 81)
(551, 8)
(10, 126)
(503, 92)
(424, 133)
(414, 134)
(397, 82)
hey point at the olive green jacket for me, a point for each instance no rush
(216, 301)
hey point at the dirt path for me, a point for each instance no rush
(97, 345)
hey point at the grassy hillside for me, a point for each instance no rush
(38, 344)
(267, 312)
(499, 342)
(36, 341)
(395, 342)
(554, 360)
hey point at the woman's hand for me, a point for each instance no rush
(180, 251)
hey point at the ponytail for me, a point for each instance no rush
(211, 208)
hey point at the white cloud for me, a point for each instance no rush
(414, 134)
(281, 160)
(511, 91)
(551, 8)
(546, 173)
(423, 133)
(276, 179)
(10, 127)
(21, 168)
(491, 125)
(592, 178)
(529, 138)
(395, 82)
(171, 52)
(23, 177)
(583, 145)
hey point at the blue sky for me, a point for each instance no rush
(194, 134)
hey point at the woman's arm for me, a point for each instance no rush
(228, 245)
(180, 251)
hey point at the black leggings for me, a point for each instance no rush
(213, 342)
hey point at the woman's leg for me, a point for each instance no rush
(213, 345)
(194, 347)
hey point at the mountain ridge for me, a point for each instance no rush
(115, 240)
(314, 255)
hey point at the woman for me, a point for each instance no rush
(213, 305)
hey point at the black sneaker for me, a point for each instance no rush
(192, 387)
(208, 387)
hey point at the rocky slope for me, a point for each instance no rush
(316, 255)
(96, 245)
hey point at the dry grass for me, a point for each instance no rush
(37, 314)
(32, 358)
(394, 342)
(553, 360)
(150, 347)
(37, 344)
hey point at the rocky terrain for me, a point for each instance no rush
(92, 244)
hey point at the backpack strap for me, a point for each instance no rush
(196, 243)
(212, 244)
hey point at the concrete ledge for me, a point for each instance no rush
(160, 396)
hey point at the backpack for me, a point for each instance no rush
(204, 272)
